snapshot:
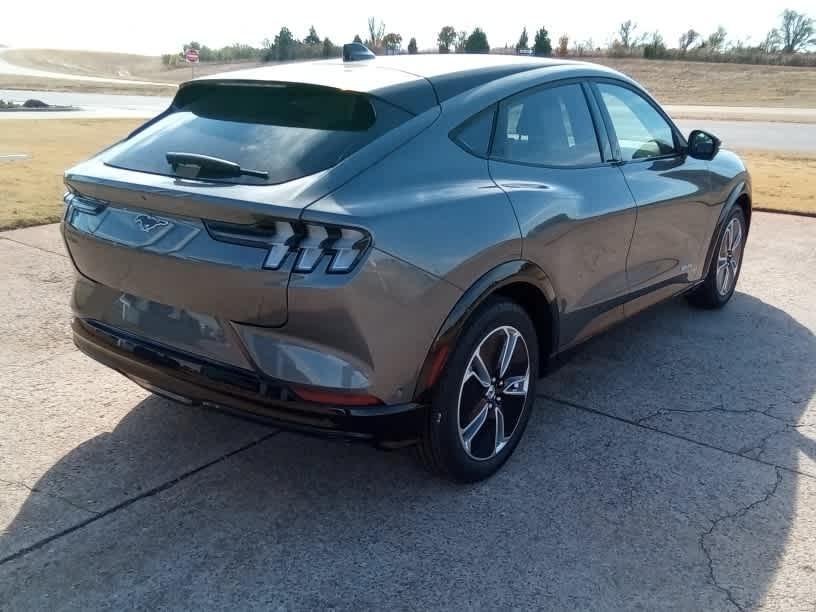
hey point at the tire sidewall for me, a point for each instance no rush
(712, 280)
(444, 426)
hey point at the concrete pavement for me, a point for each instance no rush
(670, 464)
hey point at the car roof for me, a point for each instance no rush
(413, 82)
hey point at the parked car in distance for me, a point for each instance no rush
(392, 249)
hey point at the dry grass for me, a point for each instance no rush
(672, 82)
(705, 83)
(31, 190)
(783, 181)
(26, 83)
(88, 63)
(113, 65)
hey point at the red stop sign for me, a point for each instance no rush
(191, 55)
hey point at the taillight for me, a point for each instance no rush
(307, 243)
(336, 398)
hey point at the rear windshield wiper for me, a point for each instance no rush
(210, 166)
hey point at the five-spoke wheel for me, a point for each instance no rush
(484, 397)
(493, 393)
(723, 272)
(728, 259)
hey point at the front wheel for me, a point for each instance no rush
(483, 400)
(724, 270)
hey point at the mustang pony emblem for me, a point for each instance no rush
(147, 223)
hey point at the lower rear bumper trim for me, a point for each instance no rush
(195, 381)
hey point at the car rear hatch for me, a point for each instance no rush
(156, 218)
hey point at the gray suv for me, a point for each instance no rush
(392, 249)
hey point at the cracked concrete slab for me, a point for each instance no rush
(28, 516)
(754, 543)
(590, 513)
(96, 439)
(738, 379)
(43, 237)
(35, 289)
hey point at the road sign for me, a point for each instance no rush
(191, 55)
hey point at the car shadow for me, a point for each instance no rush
(591, 512)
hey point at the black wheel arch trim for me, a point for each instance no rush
(739, 190)
(503, 275)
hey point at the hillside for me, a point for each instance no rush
(672, 82)
(110, 65)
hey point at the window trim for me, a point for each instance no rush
(680, 145)
(599, 140)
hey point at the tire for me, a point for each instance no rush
(725, 266)
(466, 445)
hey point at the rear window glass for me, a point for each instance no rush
(287, 131)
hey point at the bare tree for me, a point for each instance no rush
(796, 32)
(376, 30)
(446, 37)
(461, 41)
(716, 40)
(626, 31)
(772, 42)
(563, 45)
(687, 39)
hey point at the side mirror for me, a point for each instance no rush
(703, 145)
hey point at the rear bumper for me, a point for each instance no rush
(196, 381)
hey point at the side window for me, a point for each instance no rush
(474, 134)
(550, 126)
(642, 132)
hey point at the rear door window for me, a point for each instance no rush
(286, 130)
(550, 126)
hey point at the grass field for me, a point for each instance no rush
(783, 181)
(31, 190)
(113, 65)
(672, 82)
(27, 83)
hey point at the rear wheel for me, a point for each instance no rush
(723, 273)
(483, 400)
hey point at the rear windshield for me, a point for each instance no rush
(286, 130)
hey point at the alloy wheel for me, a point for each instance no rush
(728, 259)
(493, 393)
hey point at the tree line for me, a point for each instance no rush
(788, 43)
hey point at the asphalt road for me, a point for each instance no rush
(773, 136)
(107, 106)
(670, 464)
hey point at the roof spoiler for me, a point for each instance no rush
(357, 52)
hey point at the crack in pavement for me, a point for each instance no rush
(64, 500)
(31, 246)
(719, 408)
(132, 500)
(677, 436)
(733, 515)
(760, 448)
